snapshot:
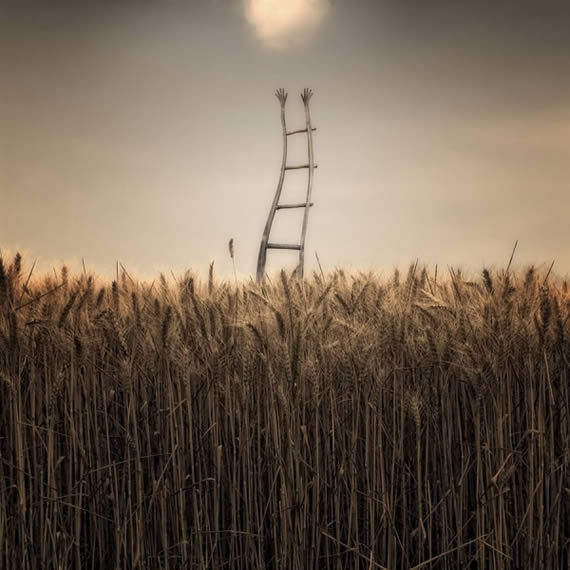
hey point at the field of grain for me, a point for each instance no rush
(346, 421)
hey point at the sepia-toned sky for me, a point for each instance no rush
(148, 132)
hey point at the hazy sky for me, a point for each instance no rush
(147, 131)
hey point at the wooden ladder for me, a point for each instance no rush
(281, 94)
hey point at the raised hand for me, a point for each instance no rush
(281, 94)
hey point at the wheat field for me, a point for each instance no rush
(345, 421)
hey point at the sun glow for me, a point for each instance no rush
(281, 24)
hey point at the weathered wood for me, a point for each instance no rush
(299, 131)
(283, 246)
(306, 97)
(281, 94)
(301, 205)
(307, 204)
(298, 166)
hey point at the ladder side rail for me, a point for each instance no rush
(306, 96)
(281, 94)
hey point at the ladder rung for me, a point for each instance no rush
(303, 205)
(296, 167)
(300, 131)
(282, 246)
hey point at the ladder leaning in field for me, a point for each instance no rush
(265, 243)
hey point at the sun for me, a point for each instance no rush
(280, 23)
